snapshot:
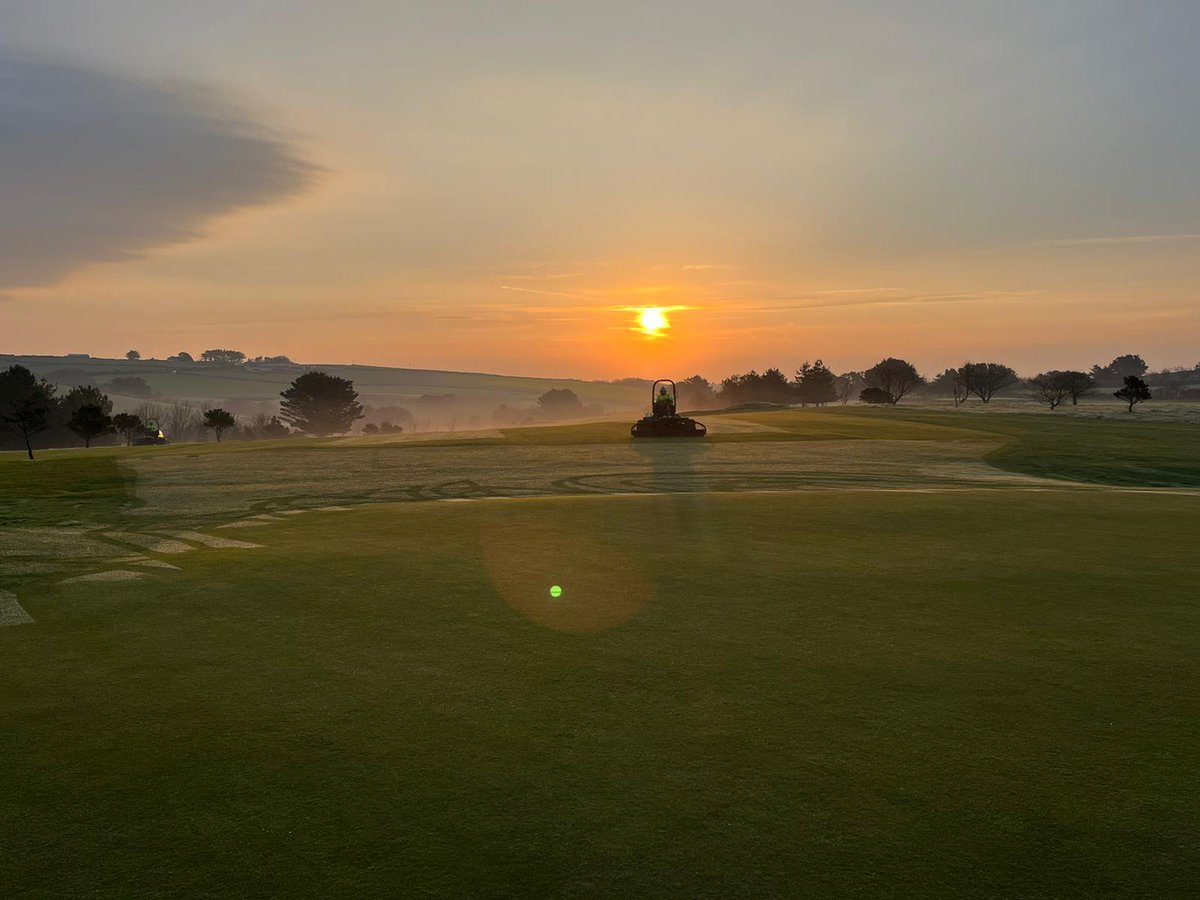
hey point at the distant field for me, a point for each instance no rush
(850, 652)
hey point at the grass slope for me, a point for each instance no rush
(828, 694)
(376, 384)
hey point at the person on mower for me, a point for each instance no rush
(663, 404)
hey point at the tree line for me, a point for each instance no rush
(891, 380)
(315, 403)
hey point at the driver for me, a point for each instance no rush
(663, 405)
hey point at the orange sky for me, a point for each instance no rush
(443, 186)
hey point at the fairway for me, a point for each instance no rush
(823, 653)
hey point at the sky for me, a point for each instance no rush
(505, 186)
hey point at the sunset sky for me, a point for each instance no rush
(504, 186)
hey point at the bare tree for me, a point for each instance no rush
(1049, 388)
(181, 419)
(848, 384)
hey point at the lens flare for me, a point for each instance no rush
(556, 592)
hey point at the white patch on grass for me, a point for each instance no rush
(11, 612)
(219, 543)
(110, 575)
(148, 542)
(155, 564)
(245, 523)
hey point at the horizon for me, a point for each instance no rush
(456, 187)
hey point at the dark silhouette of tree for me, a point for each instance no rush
(127, 425)
(25, 404)
(228, 357)
(1077, 384)
(1049, 388)
(1119, 368)
(386, 427)
(774, 387)
(985, 380)
(133, 355)
(696, 393)
(83, 395)
(560, 403)
(320, 404)
(895, 377)
(181, 357)
(90, 422)
(274, 429)
(875, 395)
(815, 384)
(129, 386)
(1134, 391)
(740, 388)
(218, 420)
(950, 383)
(370, 428)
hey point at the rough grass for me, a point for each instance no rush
(829, 694)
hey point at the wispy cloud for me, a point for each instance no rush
(1124, 239)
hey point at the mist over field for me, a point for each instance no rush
(672, 449)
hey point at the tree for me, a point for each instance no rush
(816, 384)
(129, 386)
(370, 428)
(774, 387)
(133, 355)
(1077, 384)
(848, 385)
(84, 395)
(90, 422)
(181, 419)
(1134, 391)
(875, 395)
(228, 357)
(951, 383)
(1049, 388)
(25, 404)
(895, 377)
(218, 420)
(320, 404)
(1119, 368)
(985, 380)
(181, 357)
(275, 429)
(560, 403)
(696, 392)
(127, 425)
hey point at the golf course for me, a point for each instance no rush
(851, 652)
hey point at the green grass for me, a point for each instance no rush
(827, 694)
(959, 682)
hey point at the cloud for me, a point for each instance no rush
(97, 167)
(1125, 239)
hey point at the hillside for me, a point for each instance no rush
(253, 385)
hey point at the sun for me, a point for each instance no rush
(653, 320)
